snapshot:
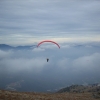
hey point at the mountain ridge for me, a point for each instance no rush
(81, 88)
(8, 47)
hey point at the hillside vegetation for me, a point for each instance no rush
(81, 88)
(74, 92)
(14, 95)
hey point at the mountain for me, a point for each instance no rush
(91, 88)
(7, 47)
(81, 88)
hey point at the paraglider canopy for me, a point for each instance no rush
(48, 41)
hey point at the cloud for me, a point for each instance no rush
(13, 86)
(65, 46)
(22, 64)
(50, 46)
(38, 49)
(37, 20)
(4, 54)
(64, 63)
(72, 63)
(87, 63)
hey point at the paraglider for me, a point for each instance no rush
(48, 41)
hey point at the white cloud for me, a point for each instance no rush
(64, 63)
(87, 63)
(38, 49)
(65, 46)
(5, 54)
(22, 64)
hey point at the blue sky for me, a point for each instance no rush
(25, 22)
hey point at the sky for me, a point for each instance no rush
(73, 24)
(26, 22)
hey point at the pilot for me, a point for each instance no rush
(47, 59)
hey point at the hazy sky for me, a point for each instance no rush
(28, 21)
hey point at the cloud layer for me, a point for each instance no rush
(71, 64)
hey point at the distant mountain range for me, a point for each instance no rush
(8, 47)
(27, 47)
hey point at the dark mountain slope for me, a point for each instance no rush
(7, 47)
